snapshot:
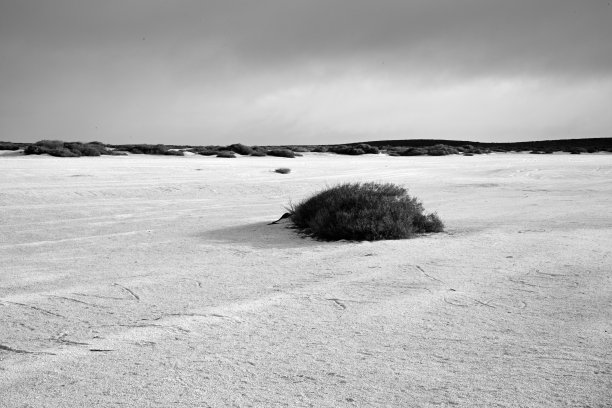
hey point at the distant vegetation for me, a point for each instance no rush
(363, 212)
(59, 148)
(283, 170)
(399, 148)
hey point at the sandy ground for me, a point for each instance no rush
(146, 281)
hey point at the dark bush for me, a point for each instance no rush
(145, 149)
(441, 150)
(354, 150)
(174, 153)
(86, 149)
(320, 149)
(208, 152)
(414, 151)
(226, 154)
(368, 211)
(241, 149)
(56, 151)
(282, 153)
(50, 144)
(347, 150)
(258, 153)
(283, 170)
(33, 149)
(577, 150)
(368, 149)
(9, 146)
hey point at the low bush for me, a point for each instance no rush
(441, 150)
(356, 150)
(9, 146)
(283, 170)
(414, 151)
(282, 153)
(363, 211)
(56, 151)
(241, 149)
(50, 144)
(226, 154)
(258, 153)
(174, 153)
(347, 150)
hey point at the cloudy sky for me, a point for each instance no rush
(304, 71)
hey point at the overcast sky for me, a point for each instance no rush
(304, 71)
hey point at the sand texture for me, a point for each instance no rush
(145, 281)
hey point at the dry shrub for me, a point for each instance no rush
(363, 212)
(283, 170)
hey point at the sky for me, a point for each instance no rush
(203, 72)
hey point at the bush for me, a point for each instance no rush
(57, 152)
(258, 153)
(414, 151)
(368, 211)
(9, 146)
(226, 154)
(282, 153)
(240, 149)
(50, 144)
(357, 150)
(174, 153)
(441, 150)
(347, 150)
(283, 170)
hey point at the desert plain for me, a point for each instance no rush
(155, 281)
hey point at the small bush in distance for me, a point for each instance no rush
(363, 212)
(9, 146)
(226, 154)
(241, 149)
(283, 170)
(282, 153)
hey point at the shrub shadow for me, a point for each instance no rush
(262, 235)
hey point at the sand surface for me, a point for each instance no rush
(145, 281)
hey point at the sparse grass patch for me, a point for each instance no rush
(283, 170)
(363, 212)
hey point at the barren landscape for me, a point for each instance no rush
(155, 281)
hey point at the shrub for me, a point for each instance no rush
(9, 146)
(441, 150)
(226, 154)
(174, 153)
(258, 153)
(208, 152)
(414, 151)
(240, 149)
(363, 211)
(577, 150)
(50, 144)
(357, 150)
(348, 150)
(282, 153)
(283, 170)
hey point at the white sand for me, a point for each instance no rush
(167, 264)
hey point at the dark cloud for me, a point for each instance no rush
(125, 62)
(519, 36)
